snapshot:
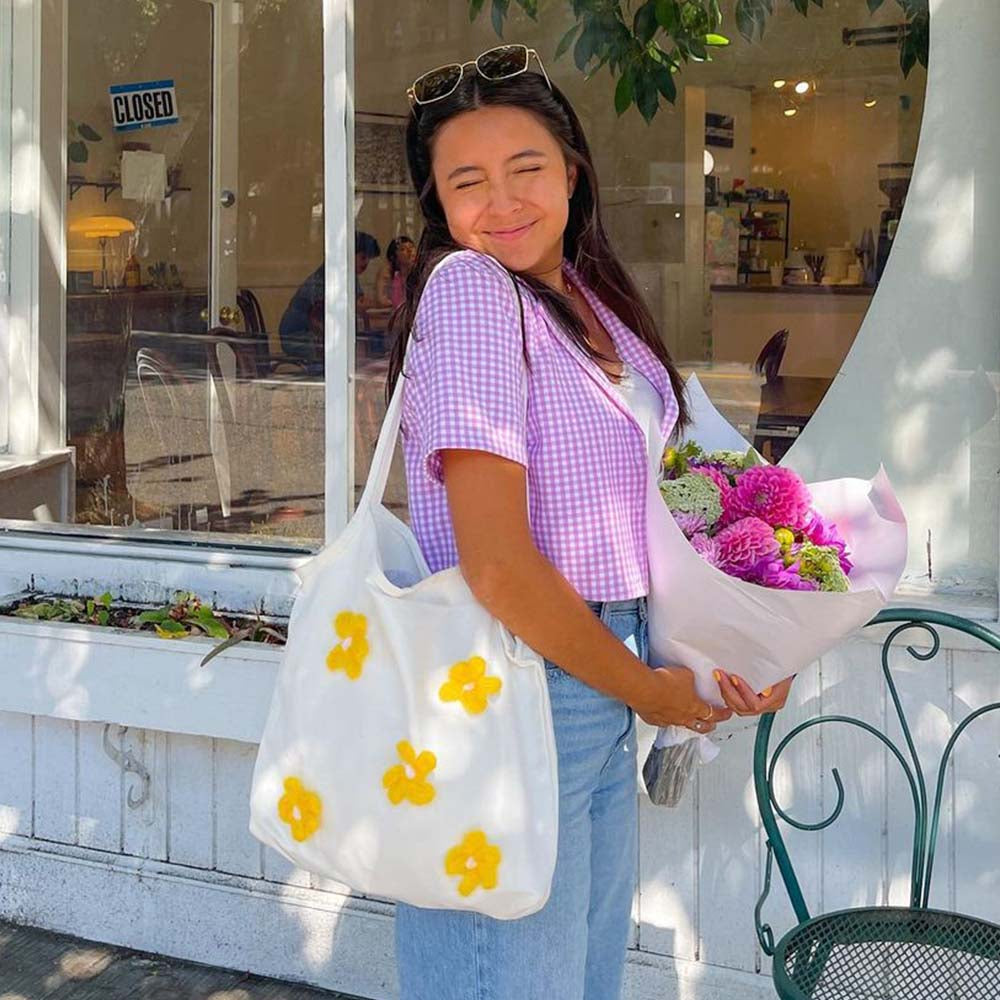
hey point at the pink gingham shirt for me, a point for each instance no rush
(467, 386)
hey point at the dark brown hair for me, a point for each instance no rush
(585, 241)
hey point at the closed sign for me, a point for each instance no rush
(137, 105)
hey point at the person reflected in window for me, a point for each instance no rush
(301, 326)
(390, 285)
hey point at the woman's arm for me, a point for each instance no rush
(487, 499)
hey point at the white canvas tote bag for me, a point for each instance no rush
(408, 751)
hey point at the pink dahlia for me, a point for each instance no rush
(742, 545)
(775, 495)
(690, 524)
(706, 547)
(820, 531)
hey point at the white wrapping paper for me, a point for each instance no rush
(701, 618)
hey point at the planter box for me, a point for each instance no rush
(94, 674)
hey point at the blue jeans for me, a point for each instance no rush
(574, 947)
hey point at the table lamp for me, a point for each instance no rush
(103, 228)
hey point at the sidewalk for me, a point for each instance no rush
(41, 965)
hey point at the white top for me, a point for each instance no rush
(646, 404)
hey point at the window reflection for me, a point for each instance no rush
(757, 219)
(194, 384)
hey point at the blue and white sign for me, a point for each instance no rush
(138, 105)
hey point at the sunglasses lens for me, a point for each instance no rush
(437, 83)
(503, 61)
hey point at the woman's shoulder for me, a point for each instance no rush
(466, 280)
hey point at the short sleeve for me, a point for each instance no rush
(467, 383)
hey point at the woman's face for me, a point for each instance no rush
(406, 254)
(505, 186)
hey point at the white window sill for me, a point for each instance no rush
(93, 674)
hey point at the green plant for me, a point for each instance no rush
(79, 134)
(645, 44)
(185, 616)
(92, 611)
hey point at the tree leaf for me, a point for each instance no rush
(105, 598)
(497, 13)
(873, 5)
(566, 40)
(668, 15)
(697, 49)
(716, 40)
(77, 152)
(645, 23)
(744, 19)
(907, 56)
(646, 98)
(90, 607)
(88, 133)
(623, 93)
(584, 48)
(664, 78)
(103, 616)
(475, 8)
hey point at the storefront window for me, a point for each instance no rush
(756, 213)
(6, 31)
(194, 298)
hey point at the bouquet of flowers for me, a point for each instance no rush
(754, 571)
(753, 521)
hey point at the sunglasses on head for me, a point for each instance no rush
(499, 63)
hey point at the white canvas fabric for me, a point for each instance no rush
(408, 750)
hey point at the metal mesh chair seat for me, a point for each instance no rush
(889, 953)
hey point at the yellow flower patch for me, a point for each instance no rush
(469, 683)
(349, 654)
(299, 808)
(400, 784)
(476, 860)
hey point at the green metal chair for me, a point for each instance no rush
(882, 952)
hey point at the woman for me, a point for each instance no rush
(530, 422)
(390, 285)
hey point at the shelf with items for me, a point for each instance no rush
(763, 231)
(108, 187)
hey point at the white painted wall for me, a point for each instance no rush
(182, 876)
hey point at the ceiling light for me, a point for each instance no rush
(778, 84)
(870, 101)
(709, 162)
(791, 111)
(802, 87)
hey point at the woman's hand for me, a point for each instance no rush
(670, 699)
(739, 696)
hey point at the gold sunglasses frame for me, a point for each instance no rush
(529, 52)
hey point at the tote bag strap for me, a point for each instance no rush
(378, 472)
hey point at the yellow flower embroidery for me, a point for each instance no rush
(398, 783)
(349, 654)
(299, 808)
(469, 683)
(476, 860)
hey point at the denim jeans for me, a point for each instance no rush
(574, 947)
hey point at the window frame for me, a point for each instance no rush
(60, 556)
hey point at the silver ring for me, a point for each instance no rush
(707, 718)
